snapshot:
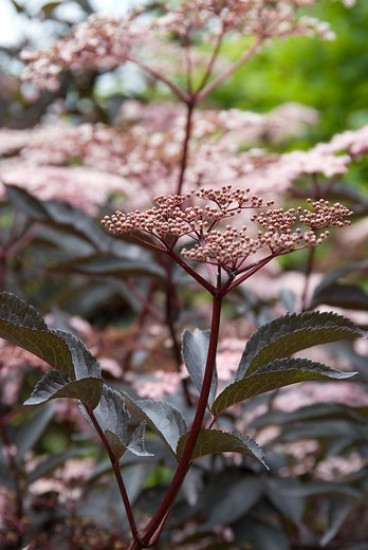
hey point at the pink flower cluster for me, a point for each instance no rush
(104, 42)
(85, 165)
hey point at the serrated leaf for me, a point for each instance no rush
(195, 349)
(274, 375)
(291, 333)
(117, 446)
(43, 343)
(161, 417)
(113, 418)
(136, 443)
(216, 441)
(23, 326)
(83, 361)
(19, 313)
(55, 384)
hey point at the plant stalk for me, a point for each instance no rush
(115, 463)
(153, 529)
(185, 152)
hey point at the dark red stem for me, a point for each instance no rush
(185, 152)
(151, 533)
(115, 463)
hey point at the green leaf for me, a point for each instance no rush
(48, 8)
(113, 418)
(291, 333)
(19, 313)
(55, 384)
(83, 361)
(272, 376)
(216, 441)
(195, 349)
(161, 417)
(23, 326)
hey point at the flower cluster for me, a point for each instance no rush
(101, 42)
(148, 145)
(104, 42)
(227, 247)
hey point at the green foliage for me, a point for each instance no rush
(163, 418)
(290, 334)
(272, 376)
(215, 441)
(78, 373)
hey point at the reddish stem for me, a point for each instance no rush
(153, 529)
(115, 463)
(185, 152)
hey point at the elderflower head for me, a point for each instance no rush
(104, 42)
(202, 219)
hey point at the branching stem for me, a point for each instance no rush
(153, 529)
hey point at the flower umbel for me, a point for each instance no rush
(202, 219)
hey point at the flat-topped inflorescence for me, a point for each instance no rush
(200, 215)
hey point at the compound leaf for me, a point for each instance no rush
(272, 376)
(161, 417)
(216, 441)
(55, 384)
(22, 325)
(136, 443)
(291, 333)
(113, 419)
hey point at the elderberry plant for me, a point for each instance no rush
(217, 235)
(231, 255)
